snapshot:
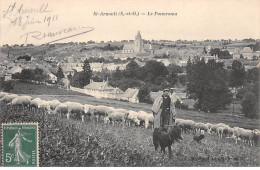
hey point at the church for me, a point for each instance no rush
(138, 47)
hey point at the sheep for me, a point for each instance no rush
(221, 129)
(53, 104)
(21, 101)
(87, 111)
(43, 104)
(186, 125)
(132, 118)
(142, 117)
(214, 127)
(99, 110)
(209, 126)
(115, 116)
(110, 110)
(149, 120)
(245, 134)
(62, 108)
(75, 108)
(2, 94)
(177, 121)
(201, 126)
(124, 111)
(256, 137)
(145, 118)
(35, 103)
(8, 98)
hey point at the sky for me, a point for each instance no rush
(22, 21)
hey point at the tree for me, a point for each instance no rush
(204, 50)
(131, 69)
(237, 76)
(144, 95)
(253, 75)
(87, 72)
(152, 70)
(78, 80)
(207, 84)
(81, 79)
(172, 78)
(39, 75)
(26, 75)
(6, 86)
(59, 74)
(249, 94)
(118, 74)
(250, 105)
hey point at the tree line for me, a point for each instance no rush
(210, 85)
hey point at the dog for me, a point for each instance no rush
(165, 137)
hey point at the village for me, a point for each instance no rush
(110, 56)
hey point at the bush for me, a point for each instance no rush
(6, 86)
(144, 95)
(180, 105)
(250, 105)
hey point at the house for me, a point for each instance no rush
(234, 52)
(115, 94)
(64, 83)
(181, 63)
(7, 74)
(139, 63)
(52, 77)
(15, 69)
(257, 55)
(99, 89)
(250, 64)
(110, 66)
(247, 52)
(131, 95)
(236, 55)
(96, 67)
(209, 57)
(2, 70)
(67, 71)
(166, 61)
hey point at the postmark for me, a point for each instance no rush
(20, 144)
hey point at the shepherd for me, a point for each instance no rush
(164, 110)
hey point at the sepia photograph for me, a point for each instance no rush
(129, 83)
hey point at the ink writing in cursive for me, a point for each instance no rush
(38, 35)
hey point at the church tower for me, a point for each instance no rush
(138, 43)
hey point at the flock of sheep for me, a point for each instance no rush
(128, 117)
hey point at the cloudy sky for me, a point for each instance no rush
(42, 21)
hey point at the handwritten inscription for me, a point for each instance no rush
(24, 16)
(38, 35)
(20, 16)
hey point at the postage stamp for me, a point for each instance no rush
(20, 144)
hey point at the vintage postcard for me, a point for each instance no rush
(129, 83)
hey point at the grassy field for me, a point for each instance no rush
(50, 93)
(74, 143)
(34, 89)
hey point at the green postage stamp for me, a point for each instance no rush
(20, 144)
